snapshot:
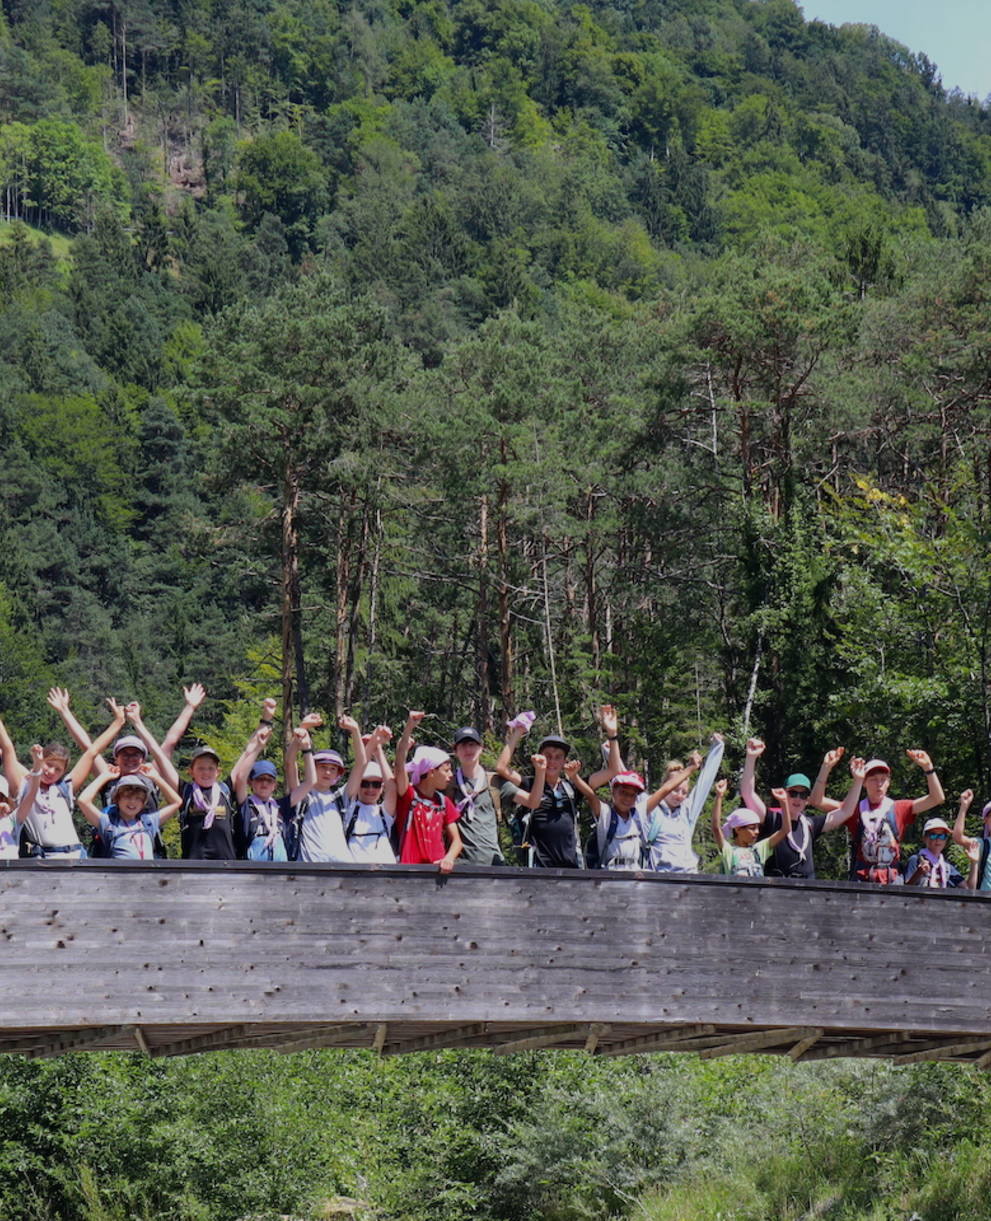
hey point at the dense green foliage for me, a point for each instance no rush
(475, 356)
(458, 1135)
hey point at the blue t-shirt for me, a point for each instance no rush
(133, 841)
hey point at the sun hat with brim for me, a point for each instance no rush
(328, 756)
(204, 752)
(134, 781)
(130, 741)
(264, 767)
(935, 824)
(629, 778)
(554, 739)
(798, 780)
(877, 765)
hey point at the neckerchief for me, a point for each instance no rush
(939, 872)
(268, 817)
(207, 806)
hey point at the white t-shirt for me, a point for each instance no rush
(49, 821)
(321, 836)
(369, 840)
(10, 836)
(623, 851)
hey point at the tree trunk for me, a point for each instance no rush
(505, 630)
(483, 712)
(292, 642)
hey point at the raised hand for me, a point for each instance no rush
(194, 695)
(721, 786)
(268, 709)
(37, 756)
(303, 738)
(572, 768)
(921, 759)
(832, 757)
(966, 797)
(312, 720)
(133, 711)
(973, 849)
(858, 768)
(755, 748)
(780, 796)
(695, 760)
(347, 723)
(117, 710)
(58, 698)
(262, 735)
(609, 720)
(538, 761)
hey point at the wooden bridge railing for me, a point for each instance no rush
(170, 957)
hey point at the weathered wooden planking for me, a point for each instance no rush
(232, 955)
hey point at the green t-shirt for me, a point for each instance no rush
(740, 862)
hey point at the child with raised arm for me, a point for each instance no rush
(550, 825)
(473, 793)
(372, 814)
(426, 816)
(743, 855)
(48, 827)
(12, 814)
(618, 830)
(983, 844)
(877, 824)
(672, 812)
(127, 828)
(793, 857)
(930, 866)
(259, 830)
(321, 830)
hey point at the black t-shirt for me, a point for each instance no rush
(203, 843)
(792, 858)
(553, 824)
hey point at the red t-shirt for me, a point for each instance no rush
(421, 821)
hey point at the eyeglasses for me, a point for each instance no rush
(371, 784)
(936, 835)
(804, 794)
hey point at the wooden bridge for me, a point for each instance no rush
(170, 958)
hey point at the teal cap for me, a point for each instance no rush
(797, 781)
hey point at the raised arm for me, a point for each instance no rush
(781, 797)
(530, 801)
(33, 784)
(193, 696)
(817, 798)
(504, 764)
(13, 769)
(974, 856)
(934, 796)
(85, 765)
(572, 769)
(312, 720)
(846, 810)
(241, 770)
(959, 833)
(748, 777)
(375, 749)
(609, 724)
(87, 799)
(301, 742)
(351, 726)
(58, 698)
(172, 798)
(672, 782)
(162, 761)
(717, 813)
(402, 751)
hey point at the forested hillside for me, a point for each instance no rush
(473, 356)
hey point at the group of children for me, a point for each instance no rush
(427, 808)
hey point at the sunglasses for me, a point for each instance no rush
(371, 784)
(936, 835)
(803, 793)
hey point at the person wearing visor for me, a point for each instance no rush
(471, 790)
(793, 854)
(931, 868)
(877, 823)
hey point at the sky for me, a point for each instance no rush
(954, 34)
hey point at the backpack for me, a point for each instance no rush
(100, 849)
(592, 858)
(352, 817)
(28, 847)
(879, 847)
